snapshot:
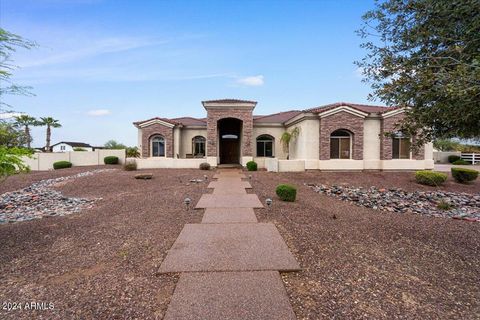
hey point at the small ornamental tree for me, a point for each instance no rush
(11, 161)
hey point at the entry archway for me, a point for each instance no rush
(230, 140)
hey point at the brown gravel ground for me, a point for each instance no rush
(101, 263)
(372, 265)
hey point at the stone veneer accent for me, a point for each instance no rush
(213, 115)
(157, 129)
(341, 120)
(386, 144)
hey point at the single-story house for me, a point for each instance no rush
(339, 136)
(65, 146)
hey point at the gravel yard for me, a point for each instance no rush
(357, 262)
(100, 263)
(363, 263)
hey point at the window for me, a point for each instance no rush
(400, 147)
(198, 146)
(340, 145)
(62, 147)
(158, 146)
(265, 146)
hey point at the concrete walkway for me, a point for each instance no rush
(229, 264)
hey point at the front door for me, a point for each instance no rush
(229, 150)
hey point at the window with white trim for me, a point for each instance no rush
(400, 146)
(265, 146)
(340, 144)
(198, 146)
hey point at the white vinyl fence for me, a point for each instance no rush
(44, 161)
(473, 158)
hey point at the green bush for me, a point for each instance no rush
(461, 162)
(251, 166)
(62, 165)
(430, 178)
(130, 166)
(452, 158)
(204, 166)
(286, 192)
(464, 175)
(110, 160)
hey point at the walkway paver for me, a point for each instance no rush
(229, 247)
(228, 201)
(255, 296)
(229, 263)
(226, 183)
(229, 215)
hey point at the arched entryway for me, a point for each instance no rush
(229, 138)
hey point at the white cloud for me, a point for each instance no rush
(99, 112)
(253, 81)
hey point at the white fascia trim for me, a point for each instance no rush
(393, 113)
(156, 121)
(346, 109)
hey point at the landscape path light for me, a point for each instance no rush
(269, 202)
(187, 202)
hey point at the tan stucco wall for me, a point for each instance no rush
(186, 137)
(276, 133)
(306, 145)
(371, 139)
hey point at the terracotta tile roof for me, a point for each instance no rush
(189, 121)
(171, 121)
(279, 117)
(229, 101)
(361, 107)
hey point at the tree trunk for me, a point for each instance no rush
(49, 133)
(27, 135)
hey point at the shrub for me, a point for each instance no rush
(132, 152)
(430, 178)
(461, 162)
(286, 192)
(110, 160)
(130, 166)
(204, 166)
(62, 165)
(444, 205)
(452, 158)
(464, 175)
(79, 149)
(251, 166)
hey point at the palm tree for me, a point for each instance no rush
(26, 121)
(50, 123)
(288, 137)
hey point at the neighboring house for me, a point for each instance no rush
(64, 146)
(339, 136)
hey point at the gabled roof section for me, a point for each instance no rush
(74, 144)
(359, 107)
(163, 121)
(279, 117)
(190, 121)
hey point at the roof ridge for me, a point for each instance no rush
(277, 113)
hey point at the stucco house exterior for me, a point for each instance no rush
(65, 146)
(339, 136)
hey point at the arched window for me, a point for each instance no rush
(265, 146)
(400, 146)
(340, 144)
(198, 146)
(158, 146)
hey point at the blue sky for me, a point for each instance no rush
(101, 65)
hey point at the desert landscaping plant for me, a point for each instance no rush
(251, 166)
(452, 158)
(130, 166)
(110, 160)
(204, 166)
(444, 205)
(132, 152)
(50, 123)
(26, 122)
(287, 138)
(286, 192)
(11, 161)
(430, 178)
(62, 165)
(464, 175)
